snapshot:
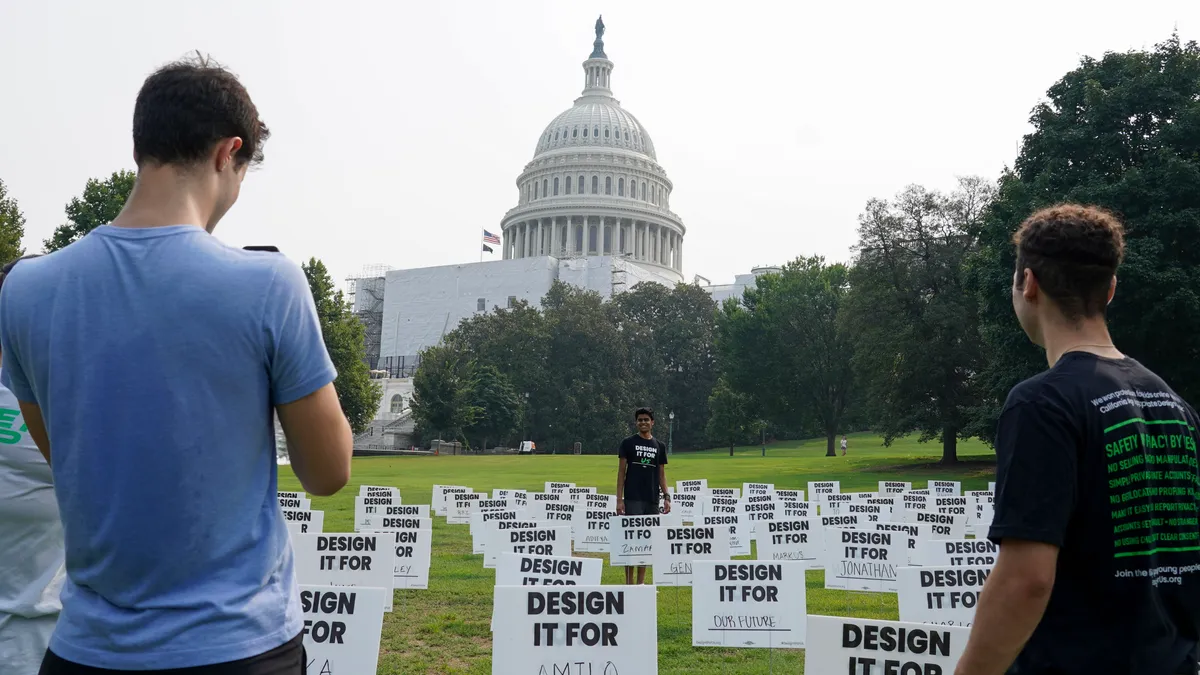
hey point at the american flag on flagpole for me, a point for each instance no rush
(490, 238)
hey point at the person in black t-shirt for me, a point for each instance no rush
(1096, 494)
(641, 475)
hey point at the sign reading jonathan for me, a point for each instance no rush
(413, 549)
(942, 595)
(342, 628)
(748, 604)
(862, 560)
(516, 569)
(869, 647)
(593, 630)
(353, 560)
(675, 548)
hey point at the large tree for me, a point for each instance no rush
(917, 346)
(1121, 132)
(345, 339)
(498, 408)
(99, 204)
(732, 418)
(669, 336)
(12, 227)
(444, 392)
(785, 344)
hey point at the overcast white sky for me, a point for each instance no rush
(399, 128)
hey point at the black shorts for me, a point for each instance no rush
(633, 508)
(286, 659)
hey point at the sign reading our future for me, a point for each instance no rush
(867, 647)
(748, 604)
(588, 630)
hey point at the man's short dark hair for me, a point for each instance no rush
(1074, 252)
(186, 107)
(643, 411)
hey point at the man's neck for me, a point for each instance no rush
(164, 196)
(646, 435)
(1090, 335)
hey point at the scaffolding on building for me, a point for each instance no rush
(365, 294)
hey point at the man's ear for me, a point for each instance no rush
(225, 153)
(1030, 288)
(1112, 289)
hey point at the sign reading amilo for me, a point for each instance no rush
(583, 630)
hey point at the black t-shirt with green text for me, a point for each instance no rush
(642, 459)
(1098, 457)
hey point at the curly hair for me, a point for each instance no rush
(1073, 251)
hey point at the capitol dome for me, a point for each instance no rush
(594, 186)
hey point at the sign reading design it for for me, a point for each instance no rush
(816, 489)
(440, 495)
(793, 539)
(480, 520)
(893, 487)
(942, 595)
(945, 488)
(869, 647)
(758, 489)
(698, 486)
(354, 560)
(676, 548)
(379, 491)
(687, 504)
(516, 569)
(490, 536)
(540, 540)
(551, 487)
(342, 628)
(862, 560)
(957, 553)
(296, 503)
(384, 506)
(584, 629)
(739, 534)
(413, 548)
(631, 538)
(748, 604)
(460, 506)
(590, 530)
(304, 522)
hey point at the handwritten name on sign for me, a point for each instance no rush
(342, 628)
(413, 549)
(304, 522)
(590, 529)
(676, 548)
(588, 630)
(748, 604)
(348, 560)
(868, 647)
(941, 595)
(631, 538)
(516, 569)
(793, 539)
(863, 560)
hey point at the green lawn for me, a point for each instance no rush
(445, 629)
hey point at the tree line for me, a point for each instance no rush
(915, 335)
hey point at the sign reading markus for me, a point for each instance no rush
(584, 630)
(748, 604)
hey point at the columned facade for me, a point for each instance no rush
(594, 186)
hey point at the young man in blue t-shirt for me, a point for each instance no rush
(148, 359)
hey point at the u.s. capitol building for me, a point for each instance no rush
(593, 210)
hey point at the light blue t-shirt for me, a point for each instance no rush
(156, 356)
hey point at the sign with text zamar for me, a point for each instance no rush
(738, 603)
(583, 630)
(868, 647)
(342, 628)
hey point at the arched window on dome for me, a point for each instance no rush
(535, 190)
(620, 187)
(556, 135)
(556, 186)
(545, 188)
(585, 132)
(608, 185)
(596, 132)
(606, 132)
(582, 185)
(568, 186)
(626, 135)
(645, 198)
(595, 185)
(575, 132)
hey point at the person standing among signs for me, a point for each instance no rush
(843, 445)
(1095, 510)
(641, 477)
(31, 537)
(148, 359)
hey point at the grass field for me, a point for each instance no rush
(445, 629)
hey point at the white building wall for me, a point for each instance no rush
(421, 305)
(393, 387)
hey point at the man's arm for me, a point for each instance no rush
(32, 414)
(320, 442)
(662, 485)
(621, 468)
(1010, 606)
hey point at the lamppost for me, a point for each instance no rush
(670, 431)
(764, 439)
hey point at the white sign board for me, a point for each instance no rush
(631, 539)
(824, 487)
(554, 512)
(945, 488)
(440, 495)
(540, 540)
(863, 560)
(379, 491)
(869, 647)
(295, 503)
(893, 487)
(957, 553)
(304, 522)
(698, 486)
(796, 510)
(382, 506)
(739, 534)
(793, 539)
(490, 535)
(460, 506)
(748, 604)
(686, 504)
(943, 525)
(590, 530)
(342, 628)
(392, 523)
(346, 559)
(720, 504)
(585, 629)
(550, 487)
(480, 520)
(516, 569)
(676, 548)
(789, 495)
(942, 595)
(413, 549)
(758, 489)
(736, 493)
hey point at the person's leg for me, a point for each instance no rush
(628, 575)
(641, 574)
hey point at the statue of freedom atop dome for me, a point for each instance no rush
(598, 45)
